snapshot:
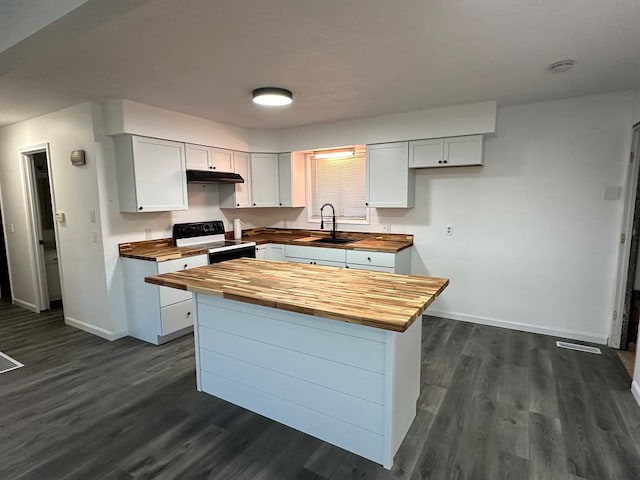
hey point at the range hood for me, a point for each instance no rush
(213, 176)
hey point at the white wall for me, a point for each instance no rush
(635, 115)
(128, 227)
(75, 192)
(534, 243)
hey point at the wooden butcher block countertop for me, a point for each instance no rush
(158, 250)
(377, 242)
(375, 299)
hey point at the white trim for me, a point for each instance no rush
(6, 243)
(38, 269)
(100, 332)
(624, 250)
(525, 327)
(21, 303)
(635, 390)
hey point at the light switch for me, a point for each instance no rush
(94, 236)
(12, 228)
(60, 217)
(92, 216)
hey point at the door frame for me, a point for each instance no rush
(624, 252)
(3, 219)
(34, 230)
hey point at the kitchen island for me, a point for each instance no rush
(332, 352)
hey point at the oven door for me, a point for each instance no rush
(217, 257)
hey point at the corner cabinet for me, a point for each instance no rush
(201, 157)
(390, 183)
(151, 174)
(265, 180)
(446, 152)
(158, 314)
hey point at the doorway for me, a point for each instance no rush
(45, 269)
(624, 333)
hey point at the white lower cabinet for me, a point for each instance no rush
(399, 262)
(331, 257)
(158, 314)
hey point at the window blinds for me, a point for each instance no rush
(341, 182)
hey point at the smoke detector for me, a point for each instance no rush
(561, 66)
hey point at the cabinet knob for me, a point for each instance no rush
(280, 203)
(139, 208)
(185, 266)
(237, 204)
(439, 161)
(188, 314)
(210, 167)
(366, 204)
(214, 167)
(254, 204)
(444, 161)
(346, 266)
(310, 263)
(369, 258)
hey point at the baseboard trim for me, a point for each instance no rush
(100, 332)
(525, 327)
(29, 306)
(635, 390)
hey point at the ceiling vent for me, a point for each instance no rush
(561, 66)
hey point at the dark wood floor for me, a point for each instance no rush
(495, 404)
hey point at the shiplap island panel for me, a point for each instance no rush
(267, 339)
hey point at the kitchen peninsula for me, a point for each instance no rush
(332, 352)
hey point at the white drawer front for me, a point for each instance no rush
(373, 268)
(176, 317)
(169, 296)
(381, 259)
(182, 263)
(315, 253)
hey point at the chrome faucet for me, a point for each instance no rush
(333, 230)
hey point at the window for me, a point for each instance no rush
(340, 181)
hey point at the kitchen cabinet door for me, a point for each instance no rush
(459, 151)
(242, 190)
(261, 252)
(265, 182)
(390, 182)
(292, 179)
(275, 252)
(151, 174)
(426, 153)
(221, 160)
(198, 157)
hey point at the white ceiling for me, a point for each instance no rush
(341, 58)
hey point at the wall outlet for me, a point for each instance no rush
(12, 229)
(449, 230)
(147, 233)
(386, 228)
(94, 236)
(92, 216)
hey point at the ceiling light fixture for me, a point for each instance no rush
(561, 66)
(335, 154)
(272, 96)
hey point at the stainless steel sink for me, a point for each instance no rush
(338, 241)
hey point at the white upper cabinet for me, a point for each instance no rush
(446, 152)
(460, 151)
(291, 179)
(390, 183)
(426, 153)
(151, 174)
(264, 180)
(237, 195)
(201, 157)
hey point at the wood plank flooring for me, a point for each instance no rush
(494, 404)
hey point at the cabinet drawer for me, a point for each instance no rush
(371, 258)
(315, 253)
(176, 317)
(182, 263)
(373, 268)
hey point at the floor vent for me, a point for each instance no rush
(580, 348)
(7, 363)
